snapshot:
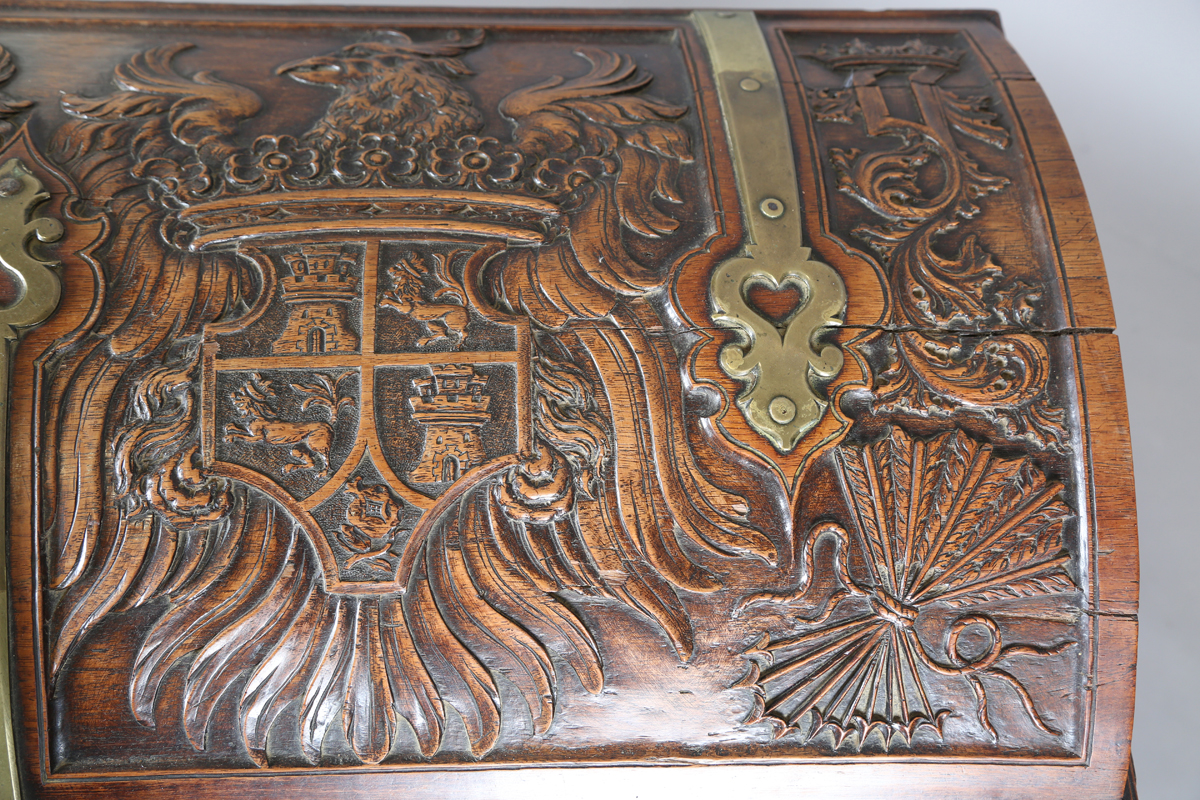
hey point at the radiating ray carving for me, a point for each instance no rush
(943, 522)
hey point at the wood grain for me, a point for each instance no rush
(381, 442)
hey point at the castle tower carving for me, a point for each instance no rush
(318, 294)
(452, 407)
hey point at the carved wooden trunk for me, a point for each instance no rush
(506, 404)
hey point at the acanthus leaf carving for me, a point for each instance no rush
(999, 373)
(372, 593)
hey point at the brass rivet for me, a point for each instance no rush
(10, 186)
(782, 410)
(771, 208)
(726, 14)
(750, 85)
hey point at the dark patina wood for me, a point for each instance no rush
(390, 435)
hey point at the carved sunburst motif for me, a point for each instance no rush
(944, 522)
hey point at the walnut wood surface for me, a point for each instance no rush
(381, 441)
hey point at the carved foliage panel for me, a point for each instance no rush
(391, 440)
(924, 179)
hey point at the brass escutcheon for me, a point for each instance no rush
(782, 364)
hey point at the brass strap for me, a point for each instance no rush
(782, 364)
(38, 293)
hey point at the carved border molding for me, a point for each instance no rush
(38, 291)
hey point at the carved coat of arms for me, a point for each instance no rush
(368, 382)
(382, 420)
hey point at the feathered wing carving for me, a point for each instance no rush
(607, 130)
(129, 376)
(627, 152)
(615, 503)
(258, 610)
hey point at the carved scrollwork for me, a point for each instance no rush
(9, 106)
(963, 338)
(391, 426)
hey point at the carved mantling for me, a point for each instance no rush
(274, 314)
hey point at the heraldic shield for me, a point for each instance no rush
(366, 386)
(439, 403)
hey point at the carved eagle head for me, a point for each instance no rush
(396, 86)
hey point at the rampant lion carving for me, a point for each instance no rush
(447, 310)
(595, 155)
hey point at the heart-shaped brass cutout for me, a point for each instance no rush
(777, 304)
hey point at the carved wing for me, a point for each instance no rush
(132, 522)
(257, 611)
(598, 115)
(617, 503)
(200, 112)
(651, 496)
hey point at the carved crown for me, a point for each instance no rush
(382, 209)
(319, 272)
(452, 396)
(383, 159)
(913, 53)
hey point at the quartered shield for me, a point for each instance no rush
(365, 386)
(507, 399)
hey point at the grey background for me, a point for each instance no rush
(1121, 76)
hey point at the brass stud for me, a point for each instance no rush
(771, 208)
(750, 85)
(782, 410)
